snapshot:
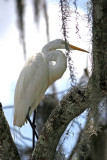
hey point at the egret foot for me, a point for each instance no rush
(33, 126)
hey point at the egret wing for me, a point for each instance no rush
(31, 85)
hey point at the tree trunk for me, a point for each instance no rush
(99, 30)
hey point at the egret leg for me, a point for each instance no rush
(33, 126)
(34, 118)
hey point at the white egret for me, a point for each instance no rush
(37, 75)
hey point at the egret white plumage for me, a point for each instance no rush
(37, 75)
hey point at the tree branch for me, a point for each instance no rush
(8, 150)
(71, 106)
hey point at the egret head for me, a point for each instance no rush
(59, 44)
(62, 45)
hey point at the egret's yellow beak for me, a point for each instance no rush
(76, 48)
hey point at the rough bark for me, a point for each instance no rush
(100, 43)
(98, 145)
(8, 150)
